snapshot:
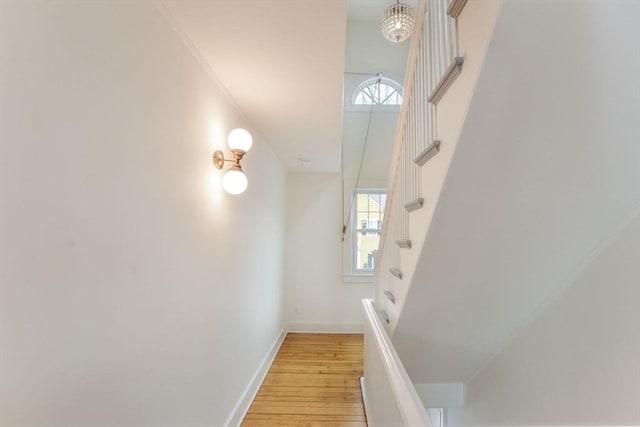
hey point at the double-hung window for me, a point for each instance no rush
(366, 225)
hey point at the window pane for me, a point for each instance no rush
(369, 211)
(378, 94)
(367, 246)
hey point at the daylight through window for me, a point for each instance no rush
(367, 225)
(387, 92)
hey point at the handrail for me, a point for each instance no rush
(409, 404)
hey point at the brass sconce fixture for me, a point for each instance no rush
(234, 180)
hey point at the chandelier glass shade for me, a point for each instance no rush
(397, 23)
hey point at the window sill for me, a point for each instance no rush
(357, 278)
(352, 108)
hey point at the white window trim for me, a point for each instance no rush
(350, 275)
(386, 81)
(365, 109)
(378, 108)
(357, 278)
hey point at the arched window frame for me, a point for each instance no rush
(371, 82)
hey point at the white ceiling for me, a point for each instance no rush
(282, 62)
(371, 10)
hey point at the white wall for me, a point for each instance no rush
(367, 51)
(316, 296)
(553, 151)
(133, 292)
(577, 363)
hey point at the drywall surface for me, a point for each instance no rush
(368, 133)
(321, 294)
(545, 168)
(313, 273)
(368, 53)
(475, 28)
(133, 291)
(577, 363)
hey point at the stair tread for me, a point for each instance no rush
(396, 272)
(414, 204)
(404, 243)
(428, 153)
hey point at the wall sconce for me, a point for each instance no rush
(234, 180)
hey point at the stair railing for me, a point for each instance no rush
(432, 66)
(390, 398)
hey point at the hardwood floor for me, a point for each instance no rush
(313, 381)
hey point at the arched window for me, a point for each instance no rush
(370, 92)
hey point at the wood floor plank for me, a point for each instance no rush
(313, 381)
(307, 408)
(309, 393)
(303, 423)
(276, 418)
(352, 398)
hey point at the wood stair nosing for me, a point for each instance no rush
(414, 204)
(404, 243)
(396, 272)
(391, 297)
(450, 76)
(428, 153)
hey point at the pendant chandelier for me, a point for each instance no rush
(397, 23)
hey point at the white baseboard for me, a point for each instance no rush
(244, 403)
(326, 327)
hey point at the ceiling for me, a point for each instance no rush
(371, 10)
(282, 62)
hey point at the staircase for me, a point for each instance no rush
(437, 94)
(515, 166)
(443, 67)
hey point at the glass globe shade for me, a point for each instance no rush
(234, 181)
(240, 139)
